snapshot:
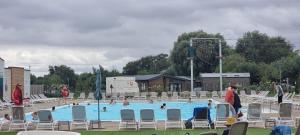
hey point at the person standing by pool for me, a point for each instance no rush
(279, 91)
(229, 97)
(237, 101)
(65, 93)
(17, 95)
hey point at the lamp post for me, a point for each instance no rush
(220, 62)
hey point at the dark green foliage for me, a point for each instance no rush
(259, 47)
(203, 61)
(147, 65)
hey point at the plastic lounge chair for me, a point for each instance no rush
(136, 96)
(71, 95)
(164, 96)
(223, 111)
(201, 119)
(214, 94)
(239, 128)
(175, 95)
(4, 123)
(254, 114)
(153, 95)
(82, 95)
(203, 94)
(79, 117)
(45, 120)
(122, 96)
(91, 95)
(193, 95)
(44, 97)
(147, 119)
(143, 96)
(114, 96)
(127, 119)
(285, 114)
(47, 133)
(18, 118)
(173, 119)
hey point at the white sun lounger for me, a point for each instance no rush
(147, 119)
(82, 95)
(18, 118)
(91, 95)
(79, 117)
(45, 120)
(254, 115)
(286, 114)
(193, 95)
(127, 119)
(223, 111)
(164, 96)
(201, 119)
(203, 94)
(173, 119)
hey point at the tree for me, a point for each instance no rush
(147, 65)
(259, 47)
(289, 66)
(179, 54)
(67, 74)
(85, 83)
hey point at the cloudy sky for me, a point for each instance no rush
(84, 33)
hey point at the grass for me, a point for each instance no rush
(251, 131)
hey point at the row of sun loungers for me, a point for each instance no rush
(147, 118)
(45, 119)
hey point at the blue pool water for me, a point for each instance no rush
(113, 111)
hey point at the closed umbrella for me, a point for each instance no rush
(98, 95)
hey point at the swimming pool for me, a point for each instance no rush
(113, 111)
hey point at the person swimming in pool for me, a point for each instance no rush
(125, 102)
(112, 102)
(104, 109)
(163, 106)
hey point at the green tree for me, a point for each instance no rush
(289, 66)
(66, 73)
(259, 47)
(147, 65)
(203, 61)
(85, 83)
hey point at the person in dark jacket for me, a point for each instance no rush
(237, 101)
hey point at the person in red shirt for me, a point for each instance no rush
(17, 95)
(65, 93)
(229, 98)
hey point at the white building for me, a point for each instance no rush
(121, 84)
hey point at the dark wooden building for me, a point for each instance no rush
(159, 82)
(211, 81)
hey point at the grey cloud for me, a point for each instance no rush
(123, 30)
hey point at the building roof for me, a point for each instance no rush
(184, 77)
(146, 77)
(225, 75)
